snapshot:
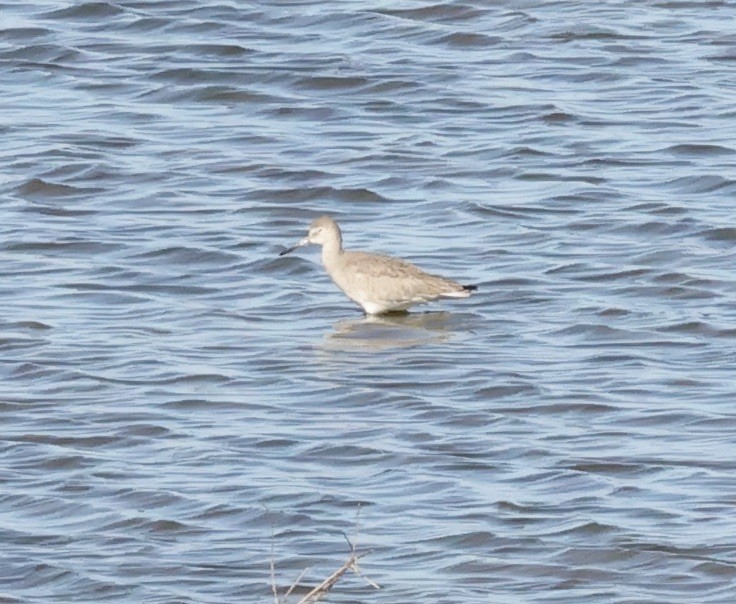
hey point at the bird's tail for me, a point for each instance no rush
(460, 293)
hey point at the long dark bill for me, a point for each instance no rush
(288, 250)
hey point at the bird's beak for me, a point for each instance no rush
(304, 241)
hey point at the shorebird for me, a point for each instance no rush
(378, 284)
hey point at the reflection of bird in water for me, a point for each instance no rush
(395, 330)
(379, 284)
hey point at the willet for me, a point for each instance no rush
(379, 284)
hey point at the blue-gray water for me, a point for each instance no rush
(177, 402)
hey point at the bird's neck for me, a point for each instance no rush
(331, 252)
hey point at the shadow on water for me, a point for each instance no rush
(405, 330)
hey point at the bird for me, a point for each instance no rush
(378, 284)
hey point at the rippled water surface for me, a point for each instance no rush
(179, 406)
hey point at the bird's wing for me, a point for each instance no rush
(402, 279)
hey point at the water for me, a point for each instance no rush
(180, 406)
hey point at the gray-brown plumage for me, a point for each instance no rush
(379, 284)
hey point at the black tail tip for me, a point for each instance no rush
(470, 288)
